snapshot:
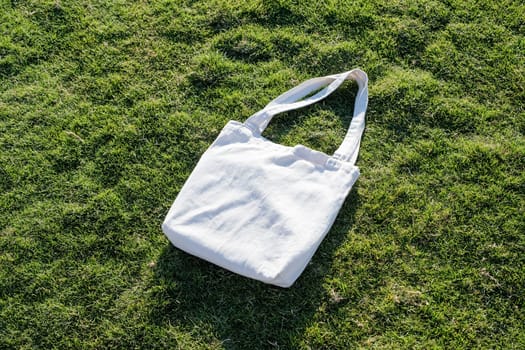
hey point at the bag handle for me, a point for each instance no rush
(293, 99)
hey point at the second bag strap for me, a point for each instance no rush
(294, 99)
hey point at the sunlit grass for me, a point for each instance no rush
(105, 108)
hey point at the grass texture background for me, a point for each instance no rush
(106, 106)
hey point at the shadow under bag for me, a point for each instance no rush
(261, 209)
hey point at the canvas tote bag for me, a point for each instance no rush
(261, 209)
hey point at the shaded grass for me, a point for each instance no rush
(105, 108)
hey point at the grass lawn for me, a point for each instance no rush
(106, 106)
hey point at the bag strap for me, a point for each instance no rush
(294, 99)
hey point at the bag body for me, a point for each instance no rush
(261, 209)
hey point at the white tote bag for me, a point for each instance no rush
(261, 209)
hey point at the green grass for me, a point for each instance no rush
(105, 108)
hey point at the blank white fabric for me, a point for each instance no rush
(261, 209)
